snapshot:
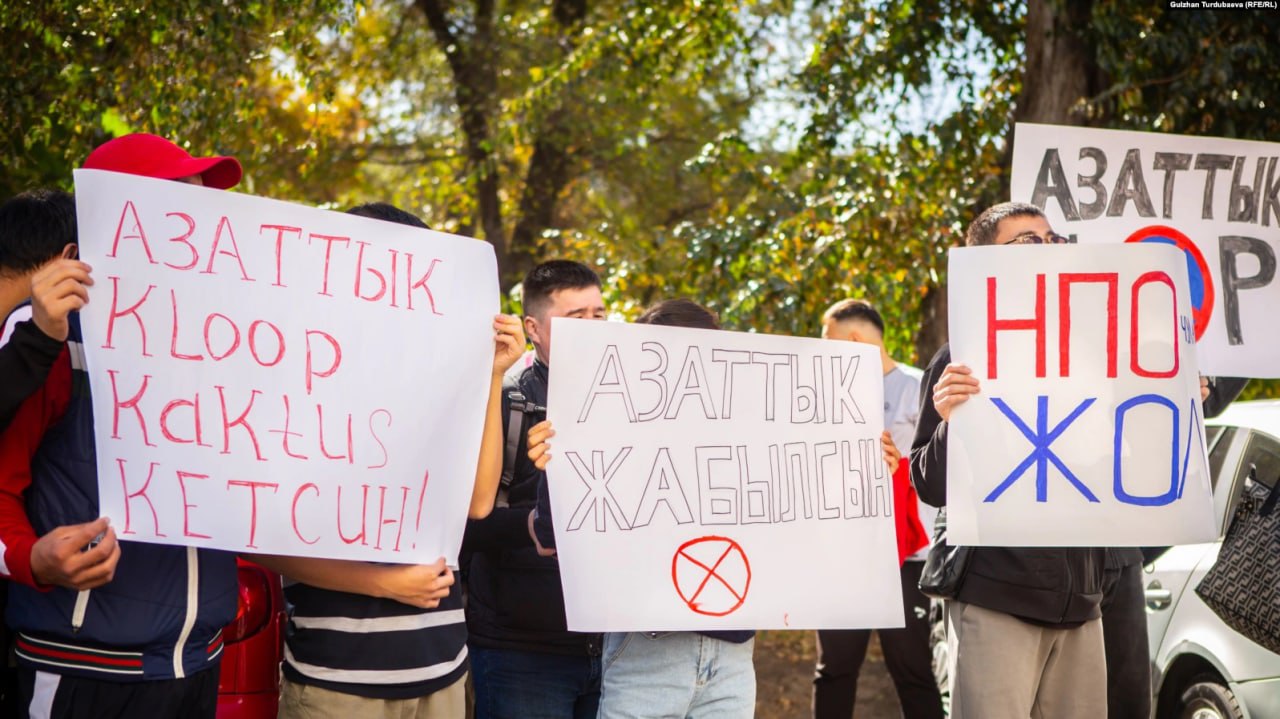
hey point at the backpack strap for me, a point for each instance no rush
(515, 425)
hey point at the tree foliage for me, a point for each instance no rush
(766, 157)
(78, 73)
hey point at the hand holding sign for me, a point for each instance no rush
(892, 455)
(539, 444)
(58, 289)
(75, 557)
(508, 343)
(956, 385)
(418, 585)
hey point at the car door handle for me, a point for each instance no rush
(1158, 597)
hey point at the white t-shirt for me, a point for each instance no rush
(901, 410)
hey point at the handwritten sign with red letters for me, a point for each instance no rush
(268, 377)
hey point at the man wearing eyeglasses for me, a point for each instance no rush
(1118, 600)
(1024, 629)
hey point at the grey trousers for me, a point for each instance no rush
(1005, 668)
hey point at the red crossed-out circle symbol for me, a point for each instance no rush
(712, 575)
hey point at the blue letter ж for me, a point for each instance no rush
(1041, 454)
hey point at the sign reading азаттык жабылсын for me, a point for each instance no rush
(704, 479)
(276, 378)
(1087, 428)
(1217, 200)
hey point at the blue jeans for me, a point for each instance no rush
(532, 685)
(676, 675)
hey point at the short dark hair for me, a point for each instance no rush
(387, 213)
(550, 277)
(982, 231)
(680, 313)
(851, 310)
(34, 227)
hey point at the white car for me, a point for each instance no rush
(1201, 668)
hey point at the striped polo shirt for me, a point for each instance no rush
(371, 647)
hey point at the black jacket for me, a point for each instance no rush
(514, 596)
(24, 364)
(1049, 586)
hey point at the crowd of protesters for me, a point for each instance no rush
(104, 628)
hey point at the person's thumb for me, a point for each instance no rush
(82, 534)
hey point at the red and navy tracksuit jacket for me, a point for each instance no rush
(160, 617)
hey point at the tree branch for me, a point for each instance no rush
(475, 87)
(438, 20)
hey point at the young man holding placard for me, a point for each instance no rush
(1026, 583)
(686, 674)
(693, 674)
(103, 632)
(525, 663)
(388, 641)
(907, 652)
(38, 290)
(1024, 627)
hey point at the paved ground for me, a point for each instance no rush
(784, 679)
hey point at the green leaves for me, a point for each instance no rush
(82, 72)
(765, 157)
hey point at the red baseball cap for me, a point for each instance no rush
(153, 156)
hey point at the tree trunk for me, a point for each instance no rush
(1061, 73)
(475, 83)
(475, 79)
(933, 324)
(546, 178)
(551, 163)
(1062, 66)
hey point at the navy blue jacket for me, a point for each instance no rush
(162, 614)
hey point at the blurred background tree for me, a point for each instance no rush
(766, 157)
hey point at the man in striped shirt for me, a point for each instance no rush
(372, 640)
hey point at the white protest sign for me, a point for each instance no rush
(269, 377)
(1087, 429)
(1217, 200)
(719, 480)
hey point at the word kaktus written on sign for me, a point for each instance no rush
(1216, 200)
(277, 378)
(696, 472)
(1088, 427)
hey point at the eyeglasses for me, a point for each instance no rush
(1031, 238)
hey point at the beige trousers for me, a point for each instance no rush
(302, 701)
(1004, 668)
